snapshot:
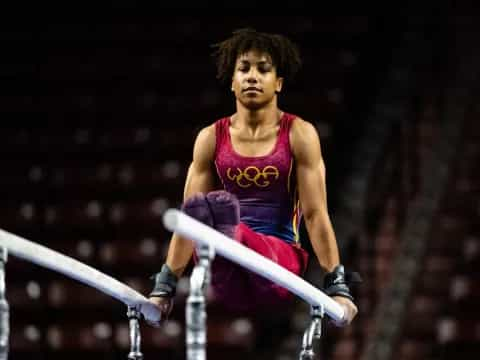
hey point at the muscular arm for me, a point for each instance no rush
(200, 178)
(310, 169)
(313, 200)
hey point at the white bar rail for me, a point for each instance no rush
(190, 228)
(75, 269)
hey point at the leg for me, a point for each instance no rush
(221, 210)
(235, 286)
(268, 294)
(218, 209)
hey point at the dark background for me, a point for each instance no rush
(98, 119)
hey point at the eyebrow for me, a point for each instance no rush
(261, 62)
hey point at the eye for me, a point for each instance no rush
(243, 66)
(263, 69)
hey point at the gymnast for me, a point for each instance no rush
(272, 174)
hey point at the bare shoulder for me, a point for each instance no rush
(206, 135)
(304, 137)
(204, 147)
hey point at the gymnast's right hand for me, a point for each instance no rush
(163, 293)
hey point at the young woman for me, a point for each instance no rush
(270, 164)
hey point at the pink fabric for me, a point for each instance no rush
(239, 289)
(264, 185)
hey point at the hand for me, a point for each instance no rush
(349, 308)
(164, 305)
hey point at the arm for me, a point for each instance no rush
(310, 169)
(200, 178)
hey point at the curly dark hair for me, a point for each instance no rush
(284, 54)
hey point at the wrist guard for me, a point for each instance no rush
(165, 283)
(337, 282)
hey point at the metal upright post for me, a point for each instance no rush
(4, 309)
(195, 314)
(314, 331)
(135, 338)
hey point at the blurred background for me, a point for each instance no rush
(97, 125)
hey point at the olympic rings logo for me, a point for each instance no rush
(252, 175)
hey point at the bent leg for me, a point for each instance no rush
(289, 256)
(237, 287)
(221, 210)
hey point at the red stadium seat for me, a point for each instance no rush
(70, 295)
(74, 214)
(132, 255)
(26, 337)
(413, 350)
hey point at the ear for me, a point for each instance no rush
(279, 85)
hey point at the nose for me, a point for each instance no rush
(252, 76)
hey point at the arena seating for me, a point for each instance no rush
(108, 153)
(446, 292)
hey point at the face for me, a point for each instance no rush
(255, 80)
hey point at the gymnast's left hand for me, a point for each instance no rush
(349, 308)
(164, 305)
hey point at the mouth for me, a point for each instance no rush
(252, 89)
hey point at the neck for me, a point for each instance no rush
(258, 117)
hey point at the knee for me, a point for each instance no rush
(225, 207)
(197, 207)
